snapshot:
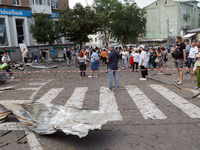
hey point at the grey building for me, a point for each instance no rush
(169, 18)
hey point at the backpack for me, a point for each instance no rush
(151, 56)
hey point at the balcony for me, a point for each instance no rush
(186, 16)
(41, 6)
(185, 27)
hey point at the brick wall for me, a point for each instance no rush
(24, 3)
(63, 4)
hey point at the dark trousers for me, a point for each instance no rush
(135, 64)
(9, 72)
(144, 72)
(82, 67)
(64, 57)
(104, 60)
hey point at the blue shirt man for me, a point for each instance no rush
(187, 48)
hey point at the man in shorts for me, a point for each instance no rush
(180, 58)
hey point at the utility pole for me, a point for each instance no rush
(167, 30)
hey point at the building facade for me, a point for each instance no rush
(169, 18)
(16, 16)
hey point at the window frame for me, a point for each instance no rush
(7, 31)
(16, 2)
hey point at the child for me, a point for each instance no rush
(5, 60)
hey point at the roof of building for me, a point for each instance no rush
(194, 31)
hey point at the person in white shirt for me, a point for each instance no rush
(192, 55)
(64, 53)
(124, 54)
(136, 58)
(143, 63)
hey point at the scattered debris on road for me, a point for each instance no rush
(182, 88)
(38, 66)
(6, 133)
(7, 88)
(48, 118)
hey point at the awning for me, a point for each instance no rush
(189, 35)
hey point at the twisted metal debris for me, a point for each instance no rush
(48, 118)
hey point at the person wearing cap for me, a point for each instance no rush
(143, 63)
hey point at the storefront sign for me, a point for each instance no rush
(15, 12)
(54, 15)
(52, 52)
(1, 30)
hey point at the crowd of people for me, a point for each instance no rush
(134, 57)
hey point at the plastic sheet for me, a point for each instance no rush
(48, 118)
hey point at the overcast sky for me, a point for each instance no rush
(141, 3)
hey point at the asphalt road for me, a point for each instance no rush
(154, 115)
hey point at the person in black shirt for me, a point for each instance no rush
(180, 57)
(68, 55)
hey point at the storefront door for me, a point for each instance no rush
(20, 31)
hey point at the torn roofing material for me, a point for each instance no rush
(48, 118)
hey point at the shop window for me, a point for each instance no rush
(165, 2)
(40, 2)
(3, 35)
(37, 1)
(44, 2)
(16, 2)
(55, 4)
(95, 39)
(20, 30)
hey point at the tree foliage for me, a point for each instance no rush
(128, 22)
(78, 23)
(43, 29)
(105, 8)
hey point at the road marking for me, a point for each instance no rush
(50, 95)
(147, 108)
(77, 98)
(31, 138)
(187, 107)
(108, 103)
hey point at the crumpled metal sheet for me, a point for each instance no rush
(38, 66)
(48, 118)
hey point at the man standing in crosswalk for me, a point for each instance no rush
(112, 61)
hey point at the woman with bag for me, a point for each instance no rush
(82, 59)
(160, 60)
(94, 63)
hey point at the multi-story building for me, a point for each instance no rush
(16, 15)
(169, 18)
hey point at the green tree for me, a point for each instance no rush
(129, 22)
(78, 23)
(105, 8)
(43, 29)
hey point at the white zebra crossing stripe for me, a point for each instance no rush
(108, 103)
(77, 98)
(147, 108)
(187, 107)
(50, 95)
(31, 138)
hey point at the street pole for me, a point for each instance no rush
(167, 30)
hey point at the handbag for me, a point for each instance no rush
(157, 60)
(178, 52)
(4, 66)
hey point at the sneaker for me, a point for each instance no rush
(12, 77)
(176, 80)
(89, 76)
(179, 83)
(143, 79)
